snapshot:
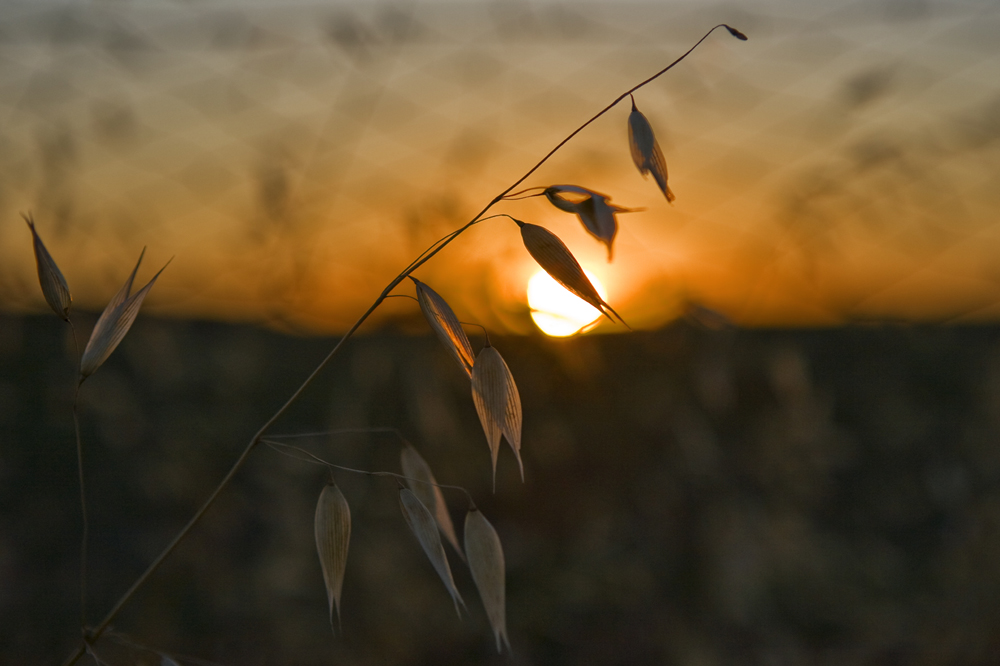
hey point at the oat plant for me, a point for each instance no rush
(492, 387)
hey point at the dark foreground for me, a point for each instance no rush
(692, 497)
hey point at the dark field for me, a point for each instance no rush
(693, 497)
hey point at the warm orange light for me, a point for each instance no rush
(556, 311)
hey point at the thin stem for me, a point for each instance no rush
(444, 240)
(608, 108)
(83, 510)
(85, 535)
(424, 257)
(311, 457)
(518, 196)
(469, 323)
(344, 431)
(123, 639)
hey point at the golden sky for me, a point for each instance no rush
(841, 165)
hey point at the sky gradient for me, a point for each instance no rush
(840, 166)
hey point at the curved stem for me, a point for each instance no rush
(612, 105)
(523, 194)
(313, 458)
(424, 257)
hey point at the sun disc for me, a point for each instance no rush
(557, 311)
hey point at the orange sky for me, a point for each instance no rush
(841, 165)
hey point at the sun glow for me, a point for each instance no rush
(556, 311)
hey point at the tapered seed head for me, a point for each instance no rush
(736, 33)
(332, 527)
(595, 211)
(445, 324)
(646, 153)
(556, 260)
(598, 217)
(424, 527)
(486, 563)
(50, 278)
(498, 404)
(420, 480)
(114, 322)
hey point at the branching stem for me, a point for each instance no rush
(423, 258)
(313, 458)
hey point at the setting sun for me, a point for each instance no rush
(556, 311)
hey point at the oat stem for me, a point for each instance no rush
(85, 535)
(388, 430)
(313, 458)
(83, 510)
(423, 258)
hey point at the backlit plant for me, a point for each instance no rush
(492, 386)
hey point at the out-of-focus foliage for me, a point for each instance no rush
(691, 496)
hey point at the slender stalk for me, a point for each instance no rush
(85, 535)
(83, 510)
(313, 458)
(388, 430)
(424, 257)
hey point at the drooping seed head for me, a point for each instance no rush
(595, 211)
(498, 404)
(555, 259)
(332, 528)
(486, 563)
(420, 480)
(424, 527)
(445, 324)
(50, 278)
(646, 153)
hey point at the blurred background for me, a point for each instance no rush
(792, 461)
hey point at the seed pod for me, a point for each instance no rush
(556, 259)
(51, 279)
(421, 481)
(482, 547)
(114, 322)
(736, 33)
(498, 404)
(333, 535)
(595, 211)
(424, 527)
(445, 324)
(646, 151)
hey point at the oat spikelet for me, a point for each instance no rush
(445, 324)
(332, 527)
(736, 33)
(486, 563)
(420, 480)
(115, 322)
(646, 151)
(51, 279)
(425, 528)
(556, 259)
(595, 210)
(498, 404)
